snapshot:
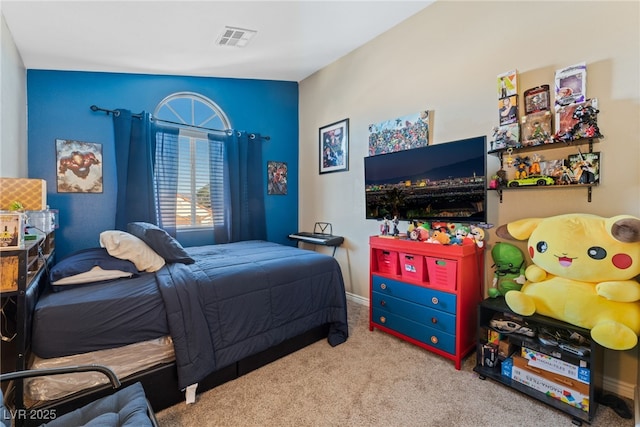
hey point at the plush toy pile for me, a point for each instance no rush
(584, 272)
(446, 233)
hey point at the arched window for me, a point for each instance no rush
(194, 115)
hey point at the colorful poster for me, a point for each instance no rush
(402, 133)
(79, 166)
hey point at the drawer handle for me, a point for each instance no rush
(434, 300)
(383, 303)
(383, 319)
(434, 339)
(383, 286)
(434, 320)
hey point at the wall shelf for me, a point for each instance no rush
(556, 145)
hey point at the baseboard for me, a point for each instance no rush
(619, 388)
(357, 299)
(636, 405)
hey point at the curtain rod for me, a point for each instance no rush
(116, 113)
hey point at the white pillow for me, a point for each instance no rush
(123, 245)
(95, 274)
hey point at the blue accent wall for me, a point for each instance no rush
(58, 108)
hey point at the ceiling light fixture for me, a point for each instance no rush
(233, 36)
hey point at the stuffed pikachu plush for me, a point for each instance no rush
(584, 270)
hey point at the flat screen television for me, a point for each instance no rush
(439, 182)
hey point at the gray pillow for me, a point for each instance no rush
(160, 241)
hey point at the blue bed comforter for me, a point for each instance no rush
(241, 298)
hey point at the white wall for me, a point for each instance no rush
(446, 59)
(13, 108)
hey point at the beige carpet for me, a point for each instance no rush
(374, 379)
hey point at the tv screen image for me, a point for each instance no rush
(439, 182)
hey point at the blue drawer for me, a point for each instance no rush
(417, 331)
(430, 317)
(418, 294)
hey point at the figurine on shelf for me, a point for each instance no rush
(586, 115)
(498, 180)
(534, 169)
(509, 158)
(494, 184)
(396, 221)
(522, 166)
(384, 227)
(566, 177)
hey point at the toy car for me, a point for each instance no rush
(532, 180)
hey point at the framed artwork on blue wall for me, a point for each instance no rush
(334, 147)
(78, 166)
(276, 178)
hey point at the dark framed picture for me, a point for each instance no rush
(276, 178)
(334, 147)
(584, 168)
(79, 166)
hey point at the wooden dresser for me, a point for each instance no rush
(427, 294)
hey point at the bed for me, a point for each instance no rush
(174, 317)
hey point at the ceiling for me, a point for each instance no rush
(294, 38)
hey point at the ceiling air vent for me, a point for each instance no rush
(238, 37)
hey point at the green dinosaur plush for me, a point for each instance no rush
(508, 261)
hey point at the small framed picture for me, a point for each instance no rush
(276, 178)
(334, 147)
(585, 168)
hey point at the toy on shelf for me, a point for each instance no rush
(509, 263)
(538, 180)
(385, 227)
(583, 273)
(477, 234)
(522, 166)
(460, 235)
(506, 136)
(577, 121)
(534, 168)
(439, 236)
(418, 231)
